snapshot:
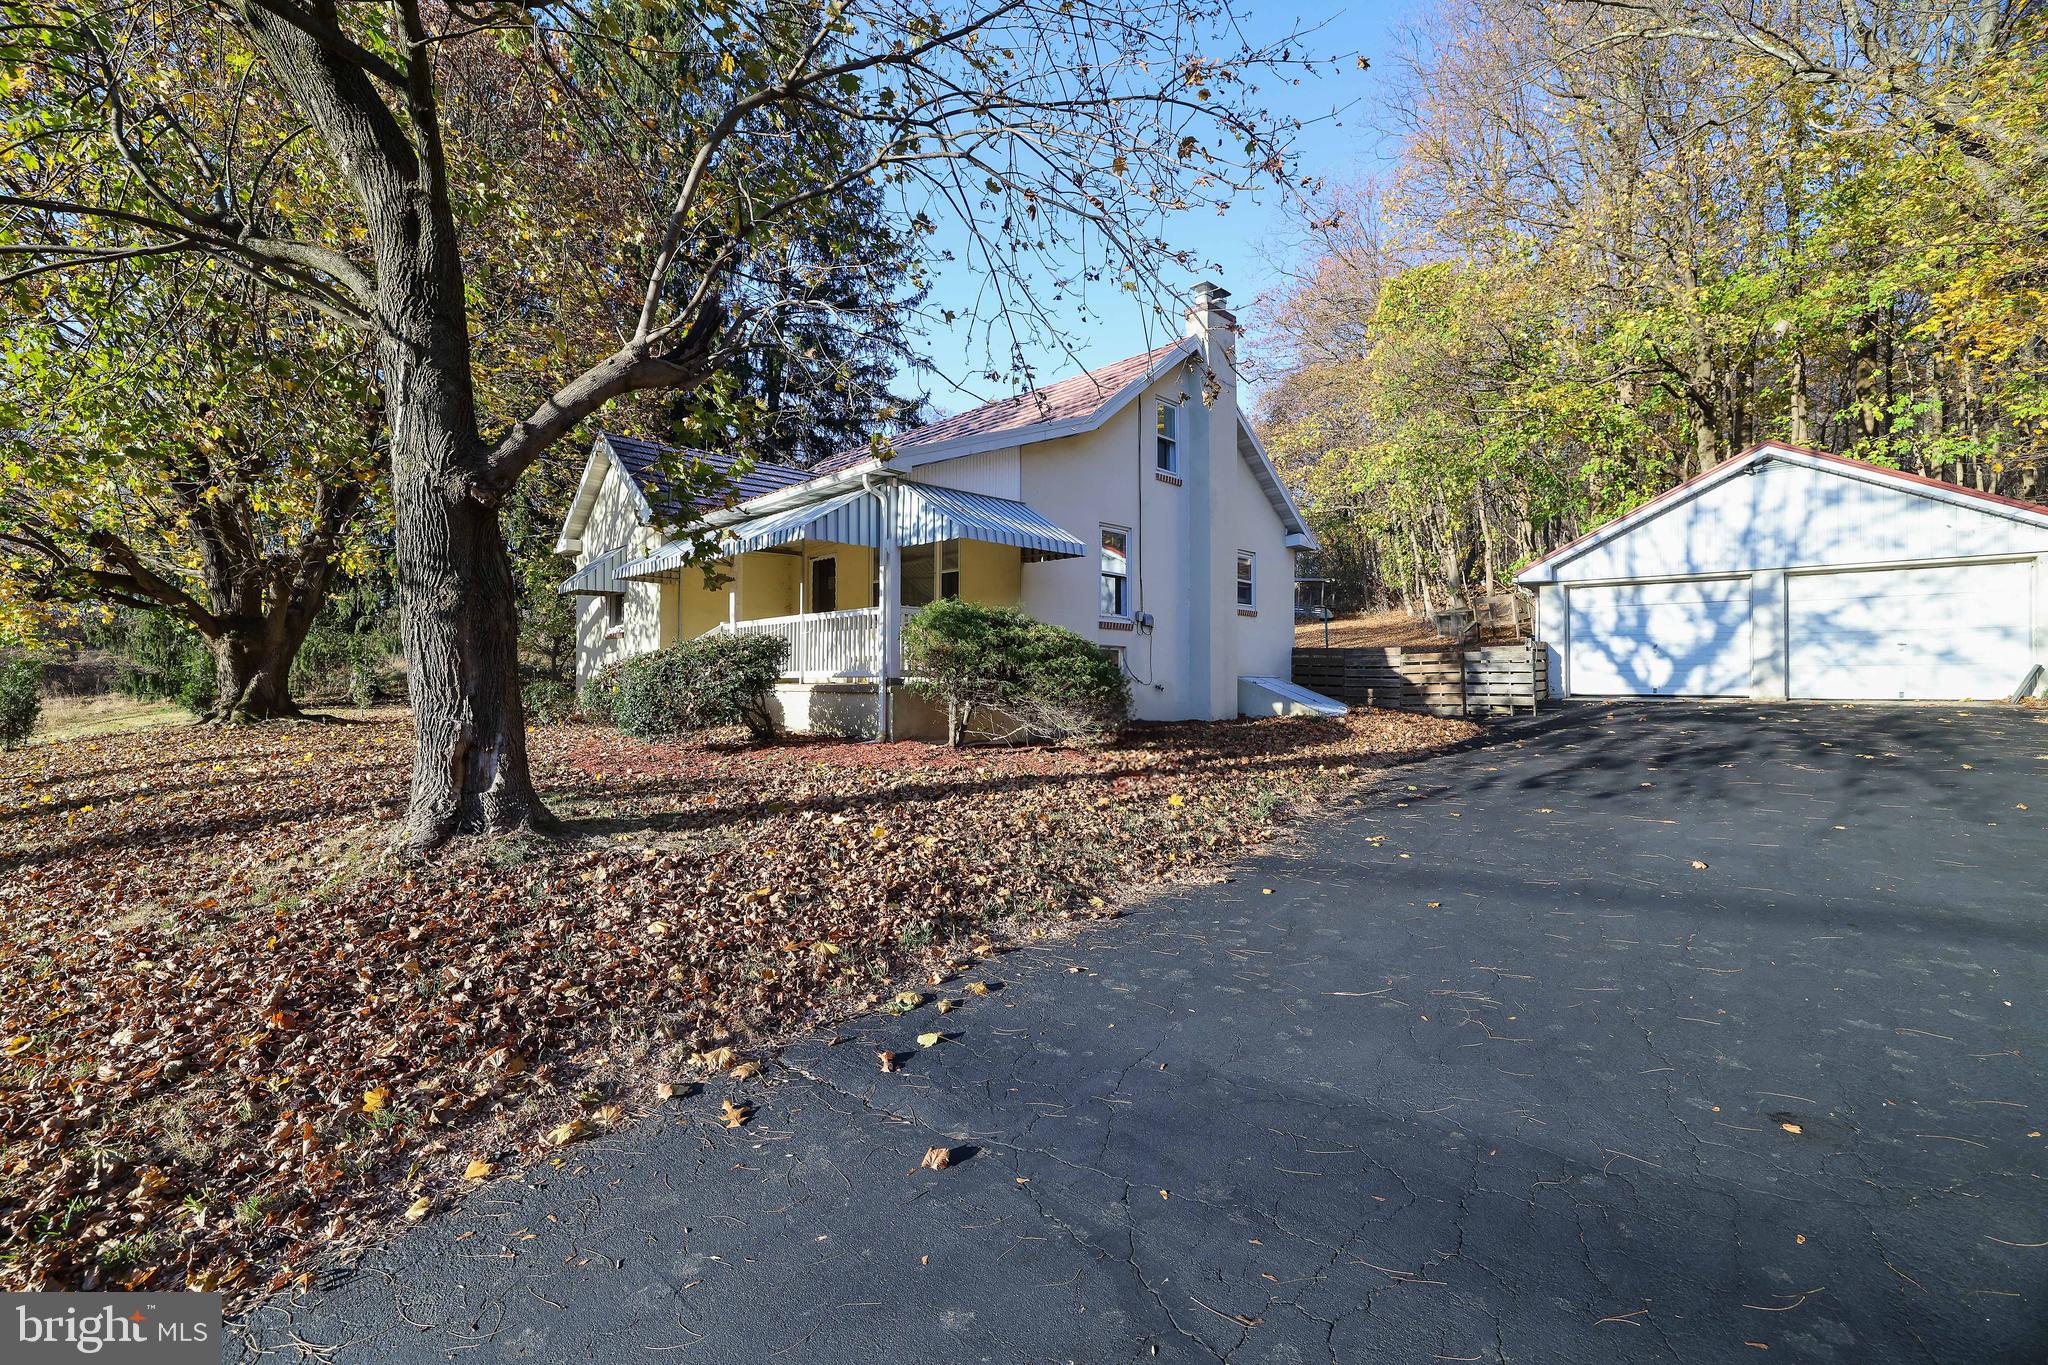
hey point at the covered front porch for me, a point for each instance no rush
(834, 576)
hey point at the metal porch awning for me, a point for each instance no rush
(925, 515)
(675, 555)
(850, 519)
(597, 578)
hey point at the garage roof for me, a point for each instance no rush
(1543, 569)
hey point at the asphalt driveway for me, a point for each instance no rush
(1670, 1033)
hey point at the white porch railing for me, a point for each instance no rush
(822, 645)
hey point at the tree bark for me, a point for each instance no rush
(456, 596)
(252, 681)
(457, 612)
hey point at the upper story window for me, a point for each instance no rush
(1116, 571)
(1168, 437)
(1247, 578)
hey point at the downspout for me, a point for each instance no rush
(888, 569)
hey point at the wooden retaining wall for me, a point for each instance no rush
(1445, 681)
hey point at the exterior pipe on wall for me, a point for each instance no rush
(888, 566)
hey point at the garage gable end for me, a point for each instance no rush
(1779, 507)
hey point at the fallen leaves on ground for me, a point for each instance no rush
(936, 1159)
(239, 1035)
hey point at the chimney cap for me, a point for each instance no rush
(1209, 292)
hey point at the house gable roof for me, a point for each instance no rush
(1077, 404)
(1073, 406)
(1543, 569)
(655, 499)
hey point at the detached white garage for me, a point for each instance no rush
(1793, 573)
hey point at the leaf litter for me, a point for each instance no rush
(240, 1038)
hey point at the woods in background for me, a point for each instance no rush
(1624, 241)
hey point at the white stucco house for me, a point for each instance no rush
(1131, 504)
(1793, 573)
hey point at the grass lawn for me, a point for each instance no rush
(67, 718)
(239, 1036)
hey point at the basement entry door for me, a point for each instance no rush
(1925, 633)
(1660, 639)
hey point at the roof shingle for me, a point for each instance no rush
(642, 463)
(1075, 397)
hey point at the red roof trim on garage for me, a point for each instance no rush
(1754, 455)
(2038, 509)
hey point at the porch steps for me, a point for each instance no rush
(1258, 696)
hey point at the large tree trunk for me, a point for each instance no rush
(457, 610)
(252, 680)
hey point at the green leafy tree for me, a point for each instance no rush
(1724, 223)
(823, 377)
(174, 439)
(21, 700)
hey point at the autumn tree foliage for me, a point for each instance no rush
(176, 440)
(1048, 132)
(1625, 241)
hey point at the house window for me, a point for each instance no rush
(1116, 571)
(1247, 579)
(930, 572)
(614, 611)
(1168, 441)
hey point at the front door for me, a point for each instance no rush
(824, 584)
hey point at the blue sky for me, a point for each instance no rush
(1254, 240)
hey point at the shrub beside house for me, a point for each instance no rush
(1019, 677)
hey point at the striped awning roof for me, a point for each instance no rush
(599, 576)
(676, 555)
(850, 519)
(666, 560)
(925, 514)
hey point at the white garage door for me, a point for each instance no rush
(1911, 634)
(1661, 639)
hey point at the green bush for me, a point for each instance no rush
(342, 651)
(362, 683)
(199, 687)
(598, 697)
(700, 684)
(1048, 683)
(548, 702)
(21, 700)
(158, 659)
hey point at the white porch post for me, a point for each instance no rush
(889, 563)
